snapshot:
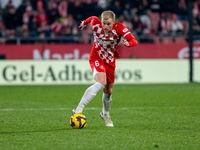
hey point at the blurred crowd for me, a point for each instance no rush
(60, 18)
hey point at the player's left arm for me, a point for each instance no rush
(129, 40)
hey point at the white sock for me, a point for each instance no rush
(107, 99)
(89, 94)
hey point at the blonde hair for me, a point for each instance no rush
(107, 15)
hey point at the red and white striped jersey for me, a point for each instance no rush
(106, 44)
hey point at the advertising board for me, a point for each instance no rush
(128, 71)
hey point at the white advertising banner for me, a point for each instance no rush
(196, 70)
(128, 71)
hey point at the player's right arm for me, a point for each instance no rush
(88, 20)
(82, 25)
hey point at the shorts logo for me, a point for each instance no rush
(102, 67)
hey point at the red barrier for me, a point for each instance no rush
(82, 51)
(173, 51)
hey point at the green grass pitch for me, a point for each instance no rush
(145, 116)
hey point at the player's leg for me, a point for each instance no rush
(107, 95)
(100, 78)
(107, 99)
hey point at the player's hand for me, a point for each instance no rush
(82, 26)
(125, 42)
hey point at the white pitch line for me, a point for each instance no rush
(91, 108)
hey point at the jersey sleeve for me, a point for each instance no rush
(123, 31)
(91, 20)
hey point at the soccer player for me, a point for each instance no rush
(107, 35)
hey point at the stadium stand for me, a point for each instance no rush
(29, 21)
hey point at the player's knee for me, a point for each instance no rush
(101, 78)
(103, 83)
(107, 91)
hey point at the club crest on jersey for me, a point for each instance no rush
(114, 32)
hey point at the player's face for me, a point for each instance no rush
(107, 25)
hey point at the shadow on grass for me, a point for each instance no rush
(50, 130)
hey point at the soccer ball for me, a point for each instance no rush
(78, 121)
